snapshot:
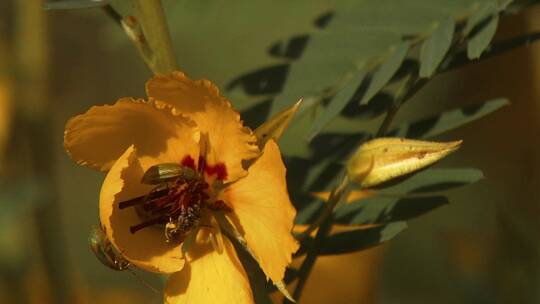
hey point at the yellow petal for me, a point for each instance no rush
(393, 157)
(274, 127)
(230, 142)
(264, 213)
(353, 196)
(98, 137)
(211, 277)
(146, 248)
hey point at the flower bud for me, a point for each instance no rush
(382, 159)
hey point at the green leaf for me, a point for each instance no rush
(436, 46)
(401, 200)
(361, 239)
(330, 56)
(448, 120)
(385, 71)
(480, 41)
(433, 180)
(338, 103)
(74, 4)
(359, 32)
(387, 209)
(307, 213)
(482, 11)
(460, 58)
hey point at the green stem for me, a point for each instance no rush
(336, 196)
(147, 29)
(333, 200)
(311, 257)
(156, 32)
(411, 86)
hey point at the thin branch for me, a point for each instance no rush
(410, 87)
(156, 32)
(336, 196)
(148, 31)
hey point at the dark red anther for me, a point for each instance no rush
(219, 169)
(188, 161)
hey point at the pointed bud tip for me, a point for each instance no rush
(383, 159)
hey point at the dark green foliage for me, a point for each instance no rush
(360, 239)
(448, 120)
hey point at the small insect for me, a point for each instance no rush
(175, 202)
(104, 250)
(108, 256)
(167, 172)
(187, 219)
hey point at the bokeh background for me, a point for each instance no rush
(482, 248)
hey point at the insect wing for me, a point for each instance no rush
(161, 173)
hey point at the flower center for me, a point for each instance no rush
(181, 192)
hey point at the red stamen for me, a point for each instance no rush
(151, 222)
(143, 199)
(180, 196)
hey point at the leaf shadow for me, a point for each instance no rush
(270, 79)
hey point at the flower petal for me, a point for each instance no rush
(98, 137)
(230, 142)
(146, 248)
(211, 277)
(262, 208)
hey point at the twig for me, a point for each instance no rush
(328, 207)
(411, 86)
(336, 196)
(147, 29)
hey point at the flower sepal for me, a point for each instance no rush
(276, 125)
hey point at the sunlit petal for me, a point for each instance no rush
(210, 277)
(146, 248)
(230, 142)
(98, 137)
(262, 209)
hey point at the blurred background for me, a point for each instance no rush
(481, 248)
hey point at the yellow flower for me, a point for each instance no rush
(186, 126)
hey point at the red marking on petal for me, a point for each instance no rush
(188, 161)
(219, 169)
